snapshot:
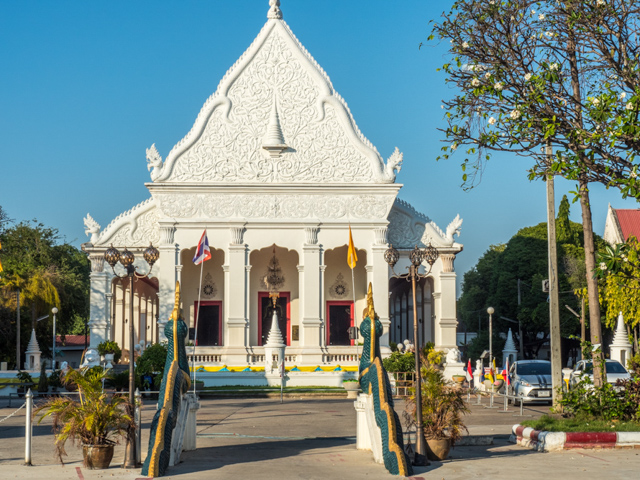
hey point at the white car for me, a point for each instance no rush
(584, 368)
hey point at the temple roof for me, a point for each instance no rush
(274, 118)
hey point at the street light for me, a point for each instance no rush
(127, 258)
(54, 310)
(429, 254)
(490, 311)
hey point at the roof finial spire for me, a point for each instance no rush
(274, 11)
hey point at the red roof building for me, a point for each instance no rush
(621, 224)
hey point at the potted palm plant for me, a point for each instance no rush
(442, 411)
(97, 420)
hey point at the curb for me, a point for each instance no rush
(542, 441)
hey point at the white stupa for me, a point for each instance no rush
(509, 351)
(32, 355)
(274, 347)
(620, 347)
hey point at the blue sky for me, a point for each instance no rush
(88, 86)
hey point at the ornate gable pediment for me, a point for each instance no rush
(275, 93)
(408, 227)
(133, 228)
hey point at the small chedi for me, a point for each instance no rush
(375, 382)
(175, 383)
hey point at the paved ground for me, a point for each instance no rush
(310, 439)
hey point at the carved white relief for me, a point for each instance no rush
(324, 144)
(135, 228)
(381, 236)
(97, 263)
(447, 262)
(393, 166)
(311, 235)
(408, 227)
(236, 235)
(209, 289)
(274, 206)
(154, 162)
(92, 228)
(167, 234)
(339, 288)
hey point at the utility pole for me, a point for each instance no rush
(18, 329)
(519, 325)
(554, 301)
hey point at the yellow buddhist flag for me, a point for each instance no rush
(0, 260)
(352, 256)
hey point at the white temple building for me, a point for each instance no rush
(274, 165)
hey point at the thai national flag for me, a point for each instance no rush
(202, 252)
(505, 374)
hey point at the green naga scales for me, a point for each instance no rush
(375, 382)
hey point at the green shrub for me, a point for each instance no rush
(400, 362)
(152, 361)
(608, 402)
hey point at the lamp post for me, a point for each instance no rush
(490, 311)
(429, 254)
(54, 310)
(127, 258)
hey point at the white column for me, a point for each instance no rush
(236, 318)
(446, 314)
(311, 286)
(98, 312)
(380, 283)
(108, 300)
(167, 276)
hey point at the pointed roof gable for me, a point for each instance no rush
(321, 142)
(621, 224)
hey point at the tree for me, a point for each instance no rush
(4, 219)
(48, 273)
(555, 81)
(619, 271)
(494, 281)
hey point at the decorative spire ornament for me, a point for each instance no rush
(274, 11)
(273, 141)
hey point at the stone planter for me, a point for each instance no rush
(97, 457)
(352, 389)
(438, 448)
(458, 380)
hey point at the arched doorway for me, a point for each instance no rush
(202, 292)
(287, 304)
(401, 310)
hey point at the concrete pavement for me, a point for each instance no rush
(310, 438)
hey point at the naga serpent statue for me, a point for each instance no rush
(175, 382)
(374, 381)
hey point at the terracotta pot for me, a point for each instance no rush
(438, 448)
(97, 457)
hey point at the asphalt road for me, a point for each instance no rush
(311, 438)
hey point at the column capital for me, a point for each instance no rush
(447, 262)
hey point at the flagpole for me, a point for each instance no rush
(195, 333)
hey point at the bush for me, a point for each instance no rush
(609, 402)
(43, 384)
(24, 377)
(152, 361)
(54, 379)
(400, 362)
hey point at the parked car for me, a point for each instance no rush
(584, 368)
(531, 380)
